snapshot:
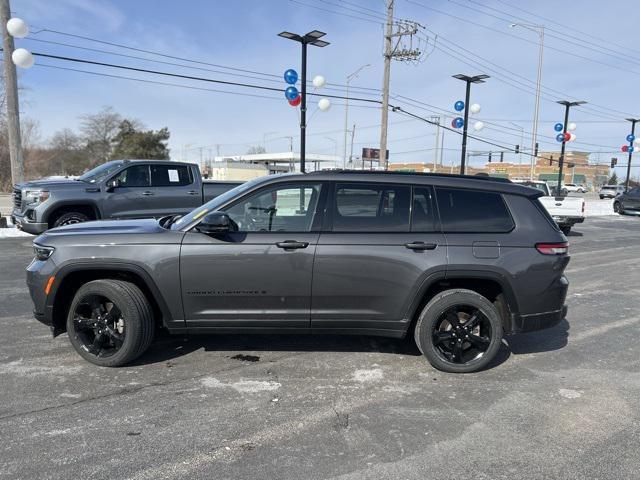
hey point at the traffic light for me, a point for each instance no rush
(501, 157)
(517, 148)
(535, 152)
(489, 157)
(551, 160)
(614, 162)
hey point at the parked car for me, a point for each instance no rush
(611, 191)
(455, 261)
(572, 187)
(565, 211)
(116, 189)
(627, 202)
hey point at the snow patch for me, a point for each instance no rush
(371, 375)
(596, 208)
(12, 232)
(17, 367)
(242, 386)
(570, 394)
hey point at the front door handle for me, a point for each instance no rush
(421, 246)
(193, 192)
(292, 244)
(147, 193)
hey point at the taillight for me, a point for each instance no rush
(560, 248)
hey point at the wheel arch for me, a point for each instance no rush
(490, 285)
(87, 207)
(71, 277)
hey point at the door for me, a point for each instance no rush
(383, 244)
(260, 275)
(175, 190)
(132, 198)
(632, 199)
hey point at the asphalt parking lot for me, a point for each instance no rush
(561, 403)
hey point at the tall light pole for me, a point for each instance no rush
(468, 80)
(346, 112)
(633, 133)
(539, 29)
(311, 38)
(567, 106)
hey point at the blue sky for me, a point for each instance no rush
(242, 34)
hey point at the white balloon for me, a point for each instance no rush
(479, 125)
(319, 81)
(475, 108)
(324, 104)
(572, 137)
(572, 126)
(17, 27)
(22, 58)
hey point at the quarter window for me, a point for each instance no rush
(280, 209)
(371, 208)
(472, 211)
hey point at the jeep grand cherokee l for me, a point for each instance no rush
(455, 261)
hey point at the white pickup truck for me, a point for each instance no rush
(566, 211)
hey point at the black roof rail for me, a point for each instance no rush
(420, 174)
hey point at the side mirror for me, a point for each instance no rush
(112, 185)
(216, 222)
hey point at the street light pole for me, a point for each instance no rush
(346, 112)
(468, 80)
(633, 132)
(311, 38)
(534, 138)
(567, 106)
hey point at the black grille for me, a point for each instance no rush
(17, 198)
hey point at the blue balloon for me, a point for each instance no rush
(558, 127)
(458, 122)
(291, 93)
(630, 138)
(630, 150)
(291, 76)
(560, 137)
(459, 106)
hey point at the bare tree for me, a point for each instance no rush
(98, 131)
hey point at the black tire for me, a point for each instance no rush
(618, 208)
(565, 230)
(430, 326)
(601, 197)
(101, 344)
(70, 218)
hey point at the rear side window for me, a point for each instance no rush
(170, 175)
(371, 208)
(473, 211)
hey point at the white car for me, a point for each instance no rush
(572, 187)
(611, 191)
(565, 211)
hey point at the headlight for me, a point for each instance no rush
(42, 252)
(34, 196)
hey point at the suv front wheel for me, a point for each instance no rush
(459, 331)
(110, 322)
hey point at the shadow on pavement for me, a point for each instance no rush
(542, 341)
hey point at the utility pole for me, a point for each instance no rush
(11, 92)
(567, 106)
(633, 132)
(403, 28)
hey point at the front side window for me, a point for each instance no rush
(289, 208)
(473, 211)
(170, 176)
(134, 176)
(371, 208)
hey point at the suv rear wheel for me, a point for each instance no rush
(459, 331)
(110, 322)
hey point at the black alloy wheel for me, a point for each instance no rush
(462, 334)
(99, 325)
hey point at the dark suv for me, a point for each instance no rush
(456, 261)
(627, 202)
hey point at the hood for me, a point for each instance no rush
(109, 227)
(58, 182)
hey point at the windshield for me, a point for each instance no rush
(214, 204)
(100, 173)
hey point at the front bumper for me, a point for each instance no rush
(22, 222)
(38, 273)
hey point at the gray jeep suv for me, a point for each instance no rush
(455, 261)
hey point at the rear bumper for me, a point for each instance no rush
(538, 321)
(22, 222)
(560, 220)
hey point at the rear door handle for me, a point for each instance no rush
(292, 244)
(193, 192)
(147, 193)
(421, 246)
